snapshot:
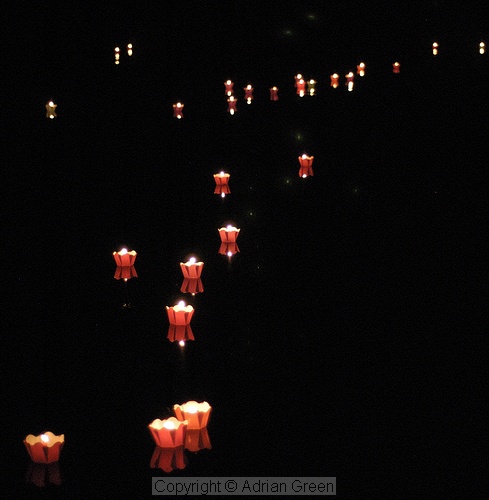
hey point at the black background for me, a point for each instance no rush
(347, 337)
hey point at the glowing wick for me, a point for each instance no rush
(168, 424)
(45, 438)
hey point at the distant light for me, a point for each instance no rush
(482, 48)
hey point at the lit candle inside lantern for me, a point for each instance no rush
(305, 162)
(44, 448)
(125, 257)
(482, 48)
(129, 49)
(228, 237)
(178, 110)
(51, 110)
(248, 93)
(222, 184)
(396, 67)
(300, 84)
(361, 69)
(274, 94)
(311, 87)
(196, 414)
(334, 80)
(168, 433)
(435, 48)
(192, 269)
(117, 53)
(228, 86)
(180, 314)
(232, 105)
(349, 80)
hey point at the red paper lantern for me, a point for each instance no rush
(168, 459)
(44, 448)
(248, 93)
(125, 273)
(274, 93)
(125, 258)
(334, 80)
(178, 110)
(396, 67)
(192, 269)
(228, 86)
(179, 317)
(228, 237)
(232, 105)
(195, 414)
(301, 86)
(305, 162)
(349, 80)
(222, 187)
(361, 69)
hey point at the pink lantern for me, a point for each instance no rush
(178, 110)
(274, 93)
(195, 414)
(125, 258)
(222, 179)
(168, 433)
(44, 448)
(305, 162)
(168, 459)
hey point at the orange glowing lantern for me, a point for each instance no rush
(305, 162)
(42, 474)
(195, 414)
(51, 110)
(248, 93)
(349, 80)
(192, 269)
(168, 433)
(129, 49)
(117, 55)
(178, 110)
(197, 439)
(179, 317)
(229, 85)
(334, 80)
(192, 285)
(168, 459)
(222, 184)
(434, 47)
(125, 273)
(45, 448)
(228, 236)
(361, 69)
(274, 93)
(311, 87)
(301, 86)
(482, 48)
(125, 258)
(396, 67)
(232, 105)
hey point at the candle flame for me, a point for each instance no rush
(168, 424)
(181, 304)
(44, 438)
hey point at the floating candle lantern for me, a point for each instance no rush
(178, 110)
(125, 273)
(195, 414)
(129, 49)
(274, 93)
(232, 105)
(334, 80)
(361, 69)
(396, 67)
(192, 269)
(349, 80)
(300, 85)
(222, 184)
(44, 448)
(51, 110)
(168, 433)
(228, 237)
(482, 48)
(228, 86)
(311, 87)
(179, 317)
(125, 258)
(168, 459)
(197, 439)
(435, 48)
(305, 162)
(248, 93)
(117, 55)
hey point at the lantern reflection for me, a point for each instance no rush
(43, 474)
(51, 110)
(124, 257)
(248, 93)
(195, 414)
(274, 93)
(334, 80)
(232, 105)
(178, 110)
(168, 459)
(197, 439)
(125, 273)
(192, 285)
(44, 448)
(305, 162)
(222, 184)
